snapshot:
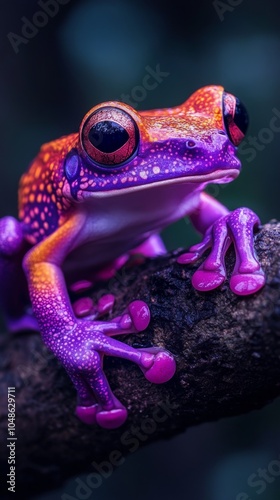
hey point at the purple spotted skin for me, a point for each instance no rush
(92, 200)
(170, 159)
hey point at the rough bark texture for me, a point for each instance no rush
(227, 350)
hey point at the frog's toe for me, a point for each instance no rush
(83, 307)
(246, 284)
(106, 303)
(106, 410)
(97, 414)
(140, 314)
(195, 251)
(111, 419)
(157, 365)
(87, 414)
(188, 258)
(205, 280)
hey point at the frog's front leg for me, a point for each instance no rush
(221, 228)
(14, 300)
(80, 344)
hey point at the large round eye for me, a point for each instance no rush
(109, 136)
(236, 118)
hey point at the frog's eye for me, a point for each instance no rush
(236, 118)
(109, 136)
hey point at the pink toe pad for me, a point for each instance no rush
(187, 258)
(246, 284)
(87, 414)
(106, 303)
(83, 307)
(140, 314)
(111, 419)
(205, 281)
(162, 369)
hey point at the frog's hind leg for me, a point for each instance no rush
(79, 343)
(13, 290)
(151, 247)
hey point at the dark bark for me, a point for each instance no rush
(227, 350)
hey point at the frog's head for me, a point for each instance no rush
(122, 149)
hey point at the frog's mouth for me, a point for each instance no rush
(216, 177)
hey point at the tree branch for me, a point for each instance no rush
(227, 351)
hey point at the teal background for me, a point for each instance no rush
(92, 51)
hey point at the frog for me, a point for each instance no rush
(92, 200)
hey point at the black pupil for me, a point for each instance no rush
(108, 136)
(241, 118)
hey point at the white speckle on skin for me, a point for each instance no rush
(143, 175)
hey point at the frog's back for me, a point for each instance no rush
(41, 201)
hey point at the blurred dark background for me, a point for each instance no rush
(91, 51)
